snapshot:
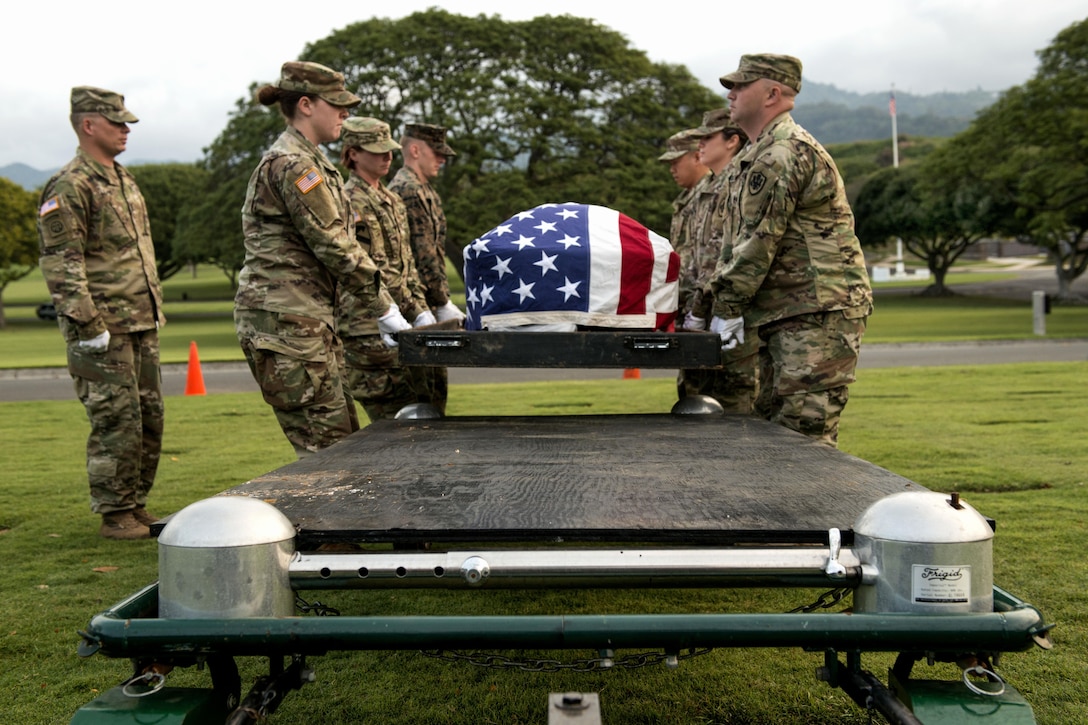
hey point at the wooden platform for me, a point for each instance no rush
(656, 479)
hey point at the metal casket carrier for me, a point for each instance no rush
(552, 502)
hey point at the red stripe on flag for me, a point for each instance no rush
(666, 321)
(636, 266)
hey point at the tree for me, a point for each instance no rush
(544, 110)
(937, 216)
(168, 190)
(210, 230)
(1029, 149)
(18, 236)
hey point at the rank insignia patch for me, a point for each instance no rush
(756, 182)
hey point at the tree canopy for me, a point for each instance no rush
(210, 229)
(559, 108)
(936, 220)
(1041, 167)
(552, 109)
(1020, 170)
(169, 190)
(18, 235)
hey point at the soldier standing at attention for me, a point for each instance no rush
(99, 263)
(682, 156)
(425, 151)
(371, 373)
(792, 271)
(734, 383)
(300, 247)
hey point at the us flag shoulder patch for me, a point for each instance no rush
(308, 181)
(50, 204)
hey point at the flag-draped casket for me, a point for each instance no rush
(564, 266)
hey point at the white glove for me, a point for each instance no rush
(731, 331)
(449, 311)
(99, 343)
(424, 318)
(391, 323)
(693, 323)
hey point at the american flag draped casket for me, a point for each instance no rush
(559, 267)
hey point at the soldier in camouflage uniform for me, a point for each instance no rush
(792, 270)
(682, 156)
(300, 249)
(425, 151)
(371, 372)
(99, 263)
(733, 384)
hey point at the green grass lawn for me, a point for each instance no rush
(1010, 438)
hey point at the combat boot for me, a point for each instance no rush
(144, 516)
(122, 525)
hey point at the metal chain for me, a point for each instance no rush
(826, 600)
(497, 661)
(319, 609)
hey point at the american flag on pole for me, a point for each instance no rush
(571, 265)
(891, 103)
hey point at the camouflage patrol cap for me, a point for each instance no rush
(782, 68)
(369, 134)
(715, 121)
(434, 136)
(310, 78)
(111, 105)
(681, 144)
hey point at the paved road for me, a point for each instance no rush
(54, 383)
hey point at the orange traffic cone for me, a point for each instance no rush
(631, 373)
(194, 383)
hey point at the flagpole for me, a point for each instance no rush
(895, 130)
(900, 269)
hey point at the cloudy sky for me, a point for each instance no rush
(182, 66)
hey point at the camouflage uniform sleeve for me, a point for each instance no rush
(427, 249)
(416, 302)
(413, 297)
(366, 224)
(374, 239)
(765, 205)
(320, 215)
(62, 229)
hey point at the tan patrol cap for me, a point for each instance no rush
(369, 134)
(306, 77)
(681, 144)
(434, 136)
(111, 105)
(714, 121)
(782, 68)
